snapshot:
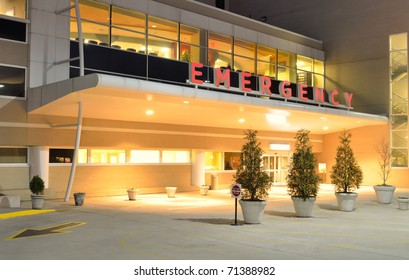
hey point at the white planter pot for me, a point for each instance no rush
(384, 194)
(403, 203)
(171, 191)
(204, 190)
(132, 194)
(37, 201)
(303, 208)
(346, 201)
(252, 210)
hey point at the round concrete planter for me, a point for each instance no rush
(171, 191)
(384, 194)
(132, 194)
(37, 201)
(303, 208)
(346, 201)
(403, 203)
(204, 190)
(252, 210)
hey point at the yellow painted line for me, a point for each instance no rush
(24, 213)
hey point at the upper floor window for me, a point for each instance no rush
(13, 8)
(12, 81)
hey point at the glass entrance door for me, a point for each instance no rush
(277, 166)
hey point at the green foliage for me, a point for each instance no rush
(302, 179)
(37, 185)
(250, 173)
(186, 56)
(346, 174)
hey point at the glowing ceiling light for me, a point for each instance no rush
(186, 102)
(242, 120)
(279, 147)
(325, 128)
(149, 112)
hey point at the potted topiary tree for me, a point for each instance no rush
(37, 189)
(254, 180)
(302, 179)
(384, 192)
(346, 174)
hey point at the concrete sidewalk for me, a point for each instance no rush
(196, 227)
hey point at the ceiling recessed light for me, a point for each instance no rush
(325, 128)
(242, 120)
(149, 112)
(185, 102)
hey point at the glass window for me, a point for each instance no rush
(266, 69)
(93, 11)
(304, 63)
(13, 155)
(107, 156)
(144, 156)
(399, 157)
(318, 81)
(219, 59)
(162, 28)
(244, 48)
(128, 20)
(162, 47)
(175, 156)
(220, 42)
(304, 77)
(286, 74)
(66, 156)
(213, 160)
(92, 33)
(190, 53)
(286, 59)
(398, 42)
(244, 64)
(266, 54)
(12, 81)
(13, 8)
(192, 35)
(231, 161)
(319, 66)
(128, 40)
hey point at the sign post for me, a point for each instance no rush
(236, 194)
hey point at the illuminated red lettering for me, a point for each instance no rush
(284, 91)
(333, 93)
(265, 84)
(194, 74)
(244, 81)
(348, 98)
(302, 91)
(319, 95)
(222, 77)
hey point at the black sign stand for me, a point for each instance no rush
(235, 214)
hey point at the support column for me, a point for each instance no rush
(198, 167)
(39, 159)
(75, 156)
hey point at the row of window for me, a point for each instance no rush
(111, 26)
(13, 8)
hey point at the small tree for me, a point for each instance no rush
(250, 173)
(384, 160)
(302, 179)
(37, 185)
(346, 174)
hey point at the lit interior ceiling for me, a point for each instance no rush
(125, 99)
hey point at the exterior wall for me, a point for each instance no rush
(355, 36)
(14, 180)
(363, 143)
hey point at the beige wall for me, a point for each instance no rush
(363, 142)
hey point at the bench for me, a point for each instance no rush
(9, 201)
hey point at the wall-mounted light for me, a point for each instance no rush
(279, 147)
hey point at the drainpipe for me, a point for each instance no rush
(75, 156)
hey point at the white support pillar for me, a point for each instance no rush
(75, 156)
(80, 37)
(198, 167)
(39, 159)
